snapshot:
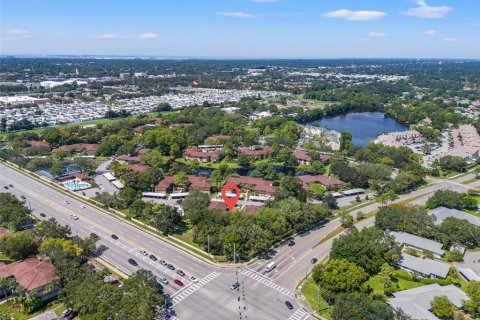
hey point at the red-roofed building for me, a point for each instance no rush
(128, 159)
(76, 175)
(303, 157)
(33, 274)
(88, 148)
(39, 144)
(202, 156)
(195, 183)
(327, 182)
(143, 151)
(250, 210)
(217, 205)
(137, 167)
(257, 185)
(258, 154)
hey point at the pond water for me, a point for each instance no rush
(364, 126)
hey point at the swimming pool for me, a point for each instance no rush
(76, 185)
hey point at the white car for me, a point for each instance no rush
(193, 279)
(164, 280)
(82, 206)
(74, 216)
(143, 252)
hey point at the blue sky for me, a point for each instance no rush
(243, 28)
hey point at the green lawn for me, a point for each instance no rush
(310, 292)
(4, 258)
(401, 277)
(10, 309)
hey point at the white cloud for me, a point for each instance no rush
(106, 36)
(425, 11)
(355, 15)
(17, 33)
(430, 32)
(236, 14)
(376, 34)
(147, 35)
(450, 39)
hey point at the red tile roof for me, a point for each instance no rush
(164, 183)
(75, 175)
(306, 180)
(255, 152)
(129, 158)
(30, 273)
(250, 210)
(77, 147)
(137, 167)
(259, 185)
(217, 205)
(197, 153)
(35, 143)
(301, 154)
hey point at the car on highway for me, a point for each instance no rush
(193, 279)
(97, 193)
(114, 236)
(289, 305)
(23, 197)
(234, 286)
(143, 252)
(10, 185)
(162, 262)
(83, 193)
(5, 187)
(133, 262)
(74, 216)
(152, 257)
(180, 272)
(291, 243)
(314, 260)
(178, 282)
(82, 206)
(171, 267)
(43, 215)
(164, 280)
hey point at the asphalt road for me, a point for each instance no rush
(211, 298)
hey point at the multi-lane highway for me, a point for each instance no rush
(211, 298)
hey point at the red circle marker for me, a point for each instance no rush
(230, 202)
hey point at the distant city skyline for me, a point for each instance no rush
(243, 28)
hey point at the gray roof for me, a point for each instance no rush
(442, 213)
(424, 266)
(353, 191)
(417, 302)
(469, 274)
(412, 240)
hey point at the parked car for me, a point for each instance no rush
(114, 236)
(178, 282)
(181, 273)
(43, 215)
(152, 257)
(314, 260)
(74, 216)
(164, 280)
(289, 305)
(234, 286)
(68, 314)
(162, 262)
(193, 279)
(133, 262)
(171, 267)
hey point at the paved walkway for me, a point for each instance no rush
(48, 315)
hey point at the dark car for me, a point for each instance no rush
(152, 257)
(314, 260)
(235, 286)
(159, 284)
(97, 193)
(10, 185)
(291, 243)
(83, 193)
(178, 282)
(289, 305)
(171, 267)
(23, 197)
(133, 262)
(43, 215)
(68, 314)
(5, 187)
(114, 236)
(180, 272)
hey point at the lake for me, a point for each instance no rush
(364, 126)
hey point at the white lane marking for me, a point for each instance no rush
(266, 281)
(299, 315)
(182, 294)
